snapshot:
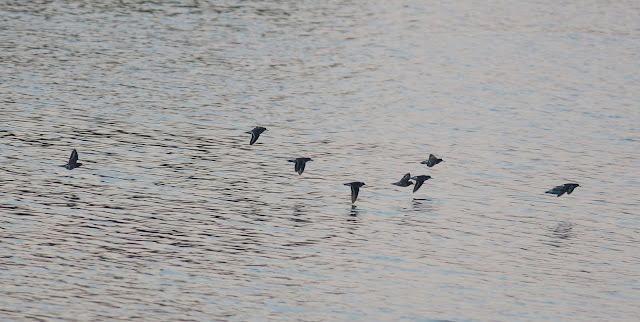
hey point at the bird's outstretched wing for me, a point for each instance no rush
(418, 185)
(74, 157)
(354, 193)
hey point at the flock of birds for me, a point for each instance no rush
(299, 164)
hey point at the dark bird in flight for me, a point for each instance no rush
(355, 188)
(560, 190)
(404, 182)
(299, 164)
(432, 161)
(419, 181)
(73, 161)
(255, 134)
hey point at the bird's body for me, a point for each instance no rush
(255, 134)
(432, 161)
(73, 161)
(299, 164)
(404, 182)
(419, 181)
(565, 188)
(355, 188)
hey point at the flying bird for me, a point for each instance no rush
(404, 182)
(255, 134)
(299, 164)
(432, 161)
(355, 188)
(73, 161)
(419, 181)
(560, 190)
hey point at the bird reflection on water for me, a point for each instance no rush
(562, 230)
(354, 211)
(560, 234)
(422, 205)
(298, 212)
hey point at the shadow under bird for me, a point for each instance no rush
(432, 161)
(355, 189)
(404, 182)
(255, 134)
(560, 190)
(73, 161)
(419, 181)
(299, 164)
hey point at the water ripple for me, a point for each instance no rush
(173, 215)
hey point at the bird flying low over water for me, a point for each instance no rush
(255, 134)
(355, 188)
(299, 164)
(432, 161)
(419, 181)
(404, 182)
(73, 161)
(560, 190)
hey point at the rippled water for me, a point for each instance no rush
(173, 215)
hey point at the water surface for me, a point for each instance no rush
(174, 216)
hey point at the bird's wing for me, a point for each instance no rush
(301, 167)
(556, 190)
(406, 178)
(254, 137)
(418, 185)
(296, 165)
(74, 157)
(354, 193)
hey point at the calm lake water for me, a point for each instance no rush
(174, 216)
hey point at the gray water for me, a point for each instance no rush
(174, 216)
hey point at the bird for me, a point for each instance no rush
(355, 188)
(419, 181)
(404, 182)
(560, 190)
(255, 134)
(73, 161)
(299, 164)
(432, 161)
